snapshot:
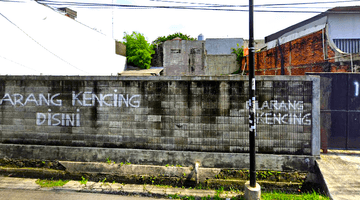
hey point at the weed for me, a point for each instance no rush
(188, 198)
(109, 161)
(206, 198)
(282, 196)
(178, 166)
(50, 183)
(174, 196)
(103, 181)
(167, 165)
(83, 180)
(219, 191)
(127, 163)
(121, 164)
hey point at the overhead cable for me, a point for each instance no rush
(102, 5)
(41, 44)
(259, 5)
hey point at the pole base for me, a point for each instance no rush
(252, 193)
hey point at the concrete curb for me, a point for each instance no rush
(111, 188)
(138, 170)
(323, 181)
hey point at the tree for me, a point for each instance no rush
(172, 36)
(138, 50)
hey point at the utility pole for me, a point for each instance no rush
(252, 189)
(252, 123)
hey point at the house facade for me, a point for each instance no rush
(328, 42)
(38, 40)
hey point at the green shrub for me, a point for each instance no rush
(172, 36)
(138, 50)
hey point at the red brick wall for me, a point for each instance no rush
(298, 56)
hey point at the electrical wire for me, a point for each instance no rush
(102, 5)
(204, 6)
(41, 44)
(18, 63)
(259, 5)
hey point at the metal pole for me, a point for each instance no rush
(252, 122)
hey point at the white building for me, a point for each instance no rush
(342, 25)
(37, 40)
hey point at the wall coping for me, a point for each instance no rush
(160, 78)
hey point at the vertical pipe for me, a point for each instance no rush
(252, 125)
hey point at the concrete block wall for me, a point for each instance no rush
(184, 57)
(221, 64)
(188, 58)
(206, 114)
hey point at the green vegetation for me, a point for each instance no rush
(138, 50)
(83, 181)
(264, 196)
(239, 52)
(109, 161)
(282, 196)
(50, 183)
(172, 36)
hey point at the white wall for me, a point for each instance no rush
(39, 40)
(344, 26)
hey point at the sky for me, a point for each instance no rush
(153, 23)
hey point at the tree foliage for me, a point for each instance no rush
(138, 50)
(172, 36)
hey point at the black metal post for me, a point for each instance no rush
(252, 122)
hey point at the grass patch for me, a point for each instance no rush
(283, 196)
(51, 183)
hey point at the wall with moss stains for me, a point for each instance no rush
(207, 114)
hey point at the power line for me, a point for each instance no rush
(41, 44)
(18, 63)
(102, 5)
(259, 5)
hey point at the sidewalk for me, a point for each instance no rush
(113, 188)
(341, 172)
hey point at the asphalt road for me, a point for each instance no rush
(11, 194)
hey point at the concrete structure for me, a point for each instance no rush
(328, 42)
(209, 57)
(220, 46)
(252, 193)
(184, 57)
(37, 40)
(92, 189)
(169, 118)
(340, 174)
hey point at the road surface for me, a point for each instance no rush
(11, 194)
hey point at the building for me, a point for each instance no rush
(209, 57)
(328, 42)
(38, 40)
